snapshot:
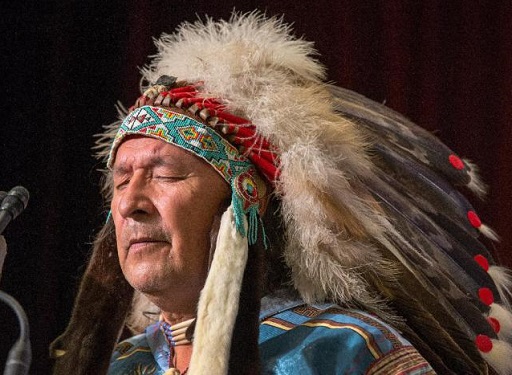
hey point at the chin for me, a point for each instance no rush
(146, 282)
(143, 274)
(146, 286)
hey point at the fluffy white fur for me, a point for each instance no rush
(246, 44)
(330, 260)
(499, 357)
(488, 232)
(218, 304)
(502, 277)
(271, 77)
(475, 185)
(504, 317)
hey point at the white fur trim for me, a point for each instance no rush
(218, 304)
(475, 184)
(502, 277)
(499, 357)
(488, 232)
(504, 317)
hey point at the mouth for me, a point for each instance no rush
(143, 242)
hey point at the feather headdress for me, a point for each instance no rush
(369, 201)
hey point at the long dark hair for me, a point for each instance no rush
(264, 273)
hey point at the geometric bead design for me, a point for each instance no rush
(203, 141)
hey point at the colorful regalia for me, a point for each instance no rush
(295, 338)
(364, 214)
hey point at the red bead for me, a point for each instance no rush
(456, 162)
(486, 296)
(474, 219)
(483, 343)
(482, 261)
(495, 324)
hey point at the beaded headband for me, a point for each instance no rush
(239, 131)
(189, 134)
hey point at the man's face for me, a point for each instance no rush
(164, 203)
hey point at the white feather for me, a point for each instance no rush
(248, 43)
(329, 263)
(488, 232)
(499, 357)
(504, 317)
(502, 277)
(475, 184)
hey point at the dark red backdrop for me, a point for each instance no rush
(445, 65)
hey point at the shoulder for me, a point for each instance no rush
(131, 346)
(337, 340)
(133, 355)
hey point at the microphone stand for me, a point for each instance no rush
(20, 355)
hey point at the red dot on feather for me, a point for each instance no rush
(482, 261)
(483, 343)
(486, 296)
(474, 219)
(456, 162)
(495, 324)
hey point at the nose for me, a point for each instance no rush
(135, 199)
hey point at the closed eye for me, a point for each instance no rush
(119, 185)
(170, 178)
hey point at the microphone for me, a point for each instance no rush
(13, 203)
(20, 355)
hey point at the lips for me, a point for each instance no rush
(140, 242)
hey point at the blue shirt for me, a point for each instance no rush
(297, 339)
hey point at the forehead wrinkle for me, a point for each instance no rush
(154, 160)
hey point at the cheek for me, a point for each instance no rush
(190, 212)
(117, 219)
(114, 214)
(187, 216)
(120, 230)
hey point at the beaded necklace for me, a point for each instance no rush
(176, 335)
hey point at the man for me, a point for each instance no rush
(164, 204)
(248, 190)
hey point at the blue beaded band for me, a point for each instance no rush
(189, 134)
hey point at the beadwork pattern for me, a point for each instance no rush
(189, 134)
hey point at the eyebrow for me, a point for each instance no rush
(119, 170)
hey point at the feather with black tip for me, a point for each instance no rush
(407, 136)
